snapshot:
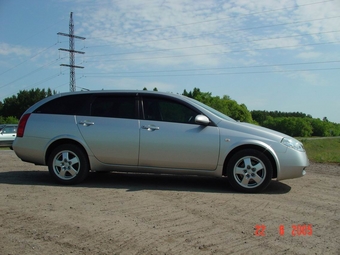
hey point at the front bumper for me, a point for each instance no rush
(293, 164)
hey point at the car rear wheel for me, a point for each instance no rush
(68, 164)
(249, 171)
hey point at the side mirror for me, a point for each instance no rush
(202, 120)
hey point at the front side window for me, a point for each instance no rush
(114, 106)
(162, 109)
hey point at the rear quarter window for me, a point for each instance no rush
(67, 105)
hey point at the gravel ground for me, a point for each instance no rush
(152, 214)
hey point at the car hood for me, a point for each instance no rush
(251, 130)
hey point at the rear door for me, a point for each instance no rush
(170, 138)
(112, 130)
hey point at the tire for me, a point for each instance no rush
(249, 171)
(68, 164)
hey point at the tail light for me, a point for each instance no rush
(22, 125)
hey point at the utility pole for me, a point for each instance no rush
(71, 50)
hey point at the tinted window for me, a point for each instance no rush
(168, 110)
(114, 106)
(68, 105)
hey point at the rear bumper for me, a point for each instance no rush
(30, 149)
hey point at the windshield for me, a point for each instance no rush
(212, 110)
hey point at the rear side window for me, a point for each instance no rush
(67, 105)
(114, 106)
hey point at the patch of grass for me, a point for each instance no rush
(4, 148)
(322, 150)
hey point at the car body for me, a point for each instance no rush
(152, 132)
(8, 133)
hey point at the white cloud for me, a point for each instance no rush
(309, 55)
(7, 49)
(205, 33)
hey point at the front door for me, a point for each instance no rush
(170, 138)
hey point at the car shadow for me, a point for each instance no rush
(135, 182)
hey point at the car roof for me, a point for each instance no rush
(98, 92)
(137, 92)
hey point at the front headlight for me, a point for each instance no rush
(292, 143)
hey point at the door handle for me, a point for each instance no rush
(86, 123)
(150, 128)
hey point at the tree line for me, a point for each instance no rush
(296, 124)
(291, 123)
(13, 107)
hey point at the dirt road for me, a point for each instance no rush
(147, 214)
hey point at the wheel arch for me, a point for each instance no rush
(259, 148)
(59, 142)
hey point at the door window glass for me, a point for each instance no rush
(114, 106)
(167, 110)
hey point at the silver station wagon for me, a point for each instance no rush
(152, 132)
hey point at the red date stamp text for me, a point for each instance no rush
(293, 230)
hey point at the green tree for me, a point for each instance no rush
(8, 120)
(260, 116)
(16, 105)
(319, 127)
(292, 126)
(225, 104)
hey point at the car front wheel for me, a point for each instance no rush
(68, 164)
(249, 171)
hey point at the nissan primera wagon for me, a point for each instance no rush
(152, 132)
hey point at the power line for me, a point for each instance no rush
(151, 51)
(227, 52)
(39, 32)
(45, 80)
(41, 81)
(230, 73)
(218, 32)
(29, 58)
(218, 68)
(214, 20)
(213, 53)
(211, 45)
(30, 73)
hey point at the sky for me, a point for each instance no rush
(272, 55)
